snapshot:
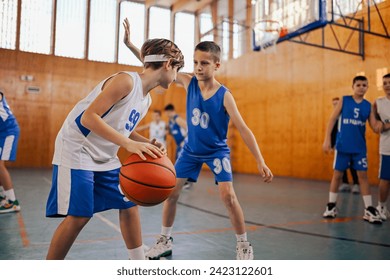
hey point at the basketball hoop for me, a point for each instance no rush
(267, 34)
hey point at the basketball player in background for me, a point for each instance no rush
(85, 164)
(381, 111)
(354, 111)
(177, 127)
(157, 128)
(9, 136)
(345, 187)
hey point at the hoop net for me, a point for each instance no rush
(267, 33)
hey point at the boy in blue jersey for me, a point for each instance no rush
(353, 113)
(345, 185)
(9, 136)
(210, 106)
(381, 110)
(177, 127)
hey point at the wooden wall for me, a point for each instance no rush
(285, 98)
(62, 82)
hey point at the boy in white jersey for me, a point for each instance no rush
(381, 110)
(157, 128)
(353, 113)
(209, 107)
(85, 164)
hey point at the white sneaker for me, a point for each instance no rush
(187, 185)
(372, 216)
(7, 206)
(162, 248)
(244, 251)
(383, 212)
(344, 188)
(355, 189)
(330, 211)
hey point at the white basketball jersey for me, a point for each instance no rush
(157, 130)
(383, 105)
(77, 147)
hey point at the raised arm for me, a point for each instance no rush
(182, 79)
(326, 146)
(126, 39)
(247, 136)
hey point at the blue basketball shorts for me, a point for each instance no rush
(82, 193)
(9, 145)
(188, 166)
(384, 167)
(343, 161)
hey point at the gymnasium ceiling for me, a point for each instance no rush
(179, 5)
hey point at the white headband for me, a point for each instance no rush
(155, 58)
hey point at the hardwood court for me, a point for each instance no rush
(284, 221)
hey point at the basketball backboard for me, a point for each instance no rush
(295, 16)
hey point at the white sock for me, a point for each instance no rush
(241, 237)
(332, 197)
(367, 199)
(137, 253)
(10, 194)
(1, 190)
(166, 231)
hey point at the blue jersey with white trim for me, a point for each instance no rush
(178, 133)
(207, 121)
(8, 123)
(351, 137)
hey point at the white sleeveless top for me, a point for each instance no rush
(77, 147)
(383, 105)
(157, 130)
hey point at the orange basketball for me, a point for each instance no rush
(147, 182)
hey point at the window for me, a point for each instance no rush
(159, 23)
(223, 28)
(238, 39)
(239, 28)
(8, 12)
(102, 32)
(185, 38)
(35, 26)
(206, 27)
(70, 28)
(135, 13)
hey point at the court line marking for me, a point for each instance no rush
(23, 231)
(260, 225)
(107, 222)
(276, 227)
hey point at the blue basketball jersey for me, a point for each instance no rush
(351, 137)
(8, 123)
(177, 132)
(207, 121)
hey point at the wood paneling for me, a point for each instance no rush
(285, 98)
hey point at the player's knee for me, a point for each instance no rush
(77, 222)
(173, 198)
(229, 199)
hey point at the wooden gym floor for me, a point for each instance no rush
(284, 221)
